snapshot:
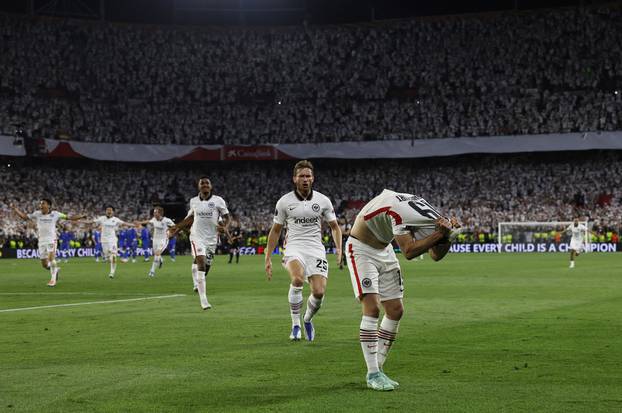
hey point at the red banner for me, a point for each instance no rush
(248, 153)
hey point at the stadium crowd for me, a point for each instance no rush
(499, 74)
(481, 191)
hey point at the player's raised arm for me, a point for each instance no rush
(19, 213)
(273, 239)
(184, 224)
(336, 233)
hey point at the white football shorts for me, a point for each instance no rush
(374, 271)
(200, 247)
(313, 264)
(46, 248)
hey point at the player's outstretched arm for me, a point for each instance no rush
(75, 217)
(336, 233)
(273, 239)
(19, 213)
(184, 224)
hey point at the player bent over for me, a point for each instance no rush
(161, 224)
(375, 270)
(303, 211)
(46, 220)
(205, 213)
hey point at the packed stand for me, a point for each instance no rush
(502, 74)
(480, 191)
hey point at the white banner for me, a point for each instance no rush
(8, 147)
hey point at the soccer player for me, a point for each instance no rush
(131, 242)
(97, 236)
(146, 241)
(65, 243)
(172, 242)
(109, 225)
(235, 240)
(160, 241)
(206, 210)
(345, 227)
(46, 220)
(303, 210)
(576, 241)
(375, 271)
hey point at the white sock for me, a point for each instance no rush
(386, 337)
(53, 269)
(295, 303)
(113, 266)
(201, 288)
(368, 336)
(195, 270)
(313, 306)
(154, 264)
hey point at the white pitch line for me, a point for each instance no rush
(10, 310)
(75, 293)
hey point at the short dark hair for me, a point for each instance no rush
(47, 200)
(301, 165)
(159, 208)
(203, 177)
(110, 206)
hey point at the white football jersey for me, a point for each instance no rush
(109, 228)
(392, 213)
(160, 227)
(46, 225)
(577, 232)
(206, 213)
(303, 218)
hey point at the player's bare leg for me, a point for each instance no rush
(195, 271)
(368, 336)
(202, 269)
(296, 275)
(49, 263)
(393, 311)
(314, 302)
(573, 254)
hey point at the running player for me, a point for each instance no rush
(109, 225)
(46, 220)
(375, 271)
(303, 210)
(160, 241)
(577, 242)
(206, 211)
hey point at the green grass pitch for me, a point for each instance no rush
(481, 333)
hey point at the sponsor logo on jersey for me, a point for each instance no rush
(204, 214)
(306, 220)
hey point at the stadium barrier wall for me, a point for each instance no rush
(389, 149)
(530, 247)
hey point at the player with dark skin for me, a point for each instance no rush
(205, 190)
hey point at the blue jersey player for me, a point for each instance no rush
(97, 241)
(131, 243)
(171, 247)
(65, 243)
(146, 240)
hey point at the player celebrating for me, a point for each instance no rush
(160, 241)
(46, 220)
(109, 225)
(375, 271)
(576, 241)
(206, 210)
(303, 210)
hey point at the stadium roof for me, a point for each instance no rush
(267, 12)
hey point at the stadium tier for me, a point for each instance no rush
(537, 72)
